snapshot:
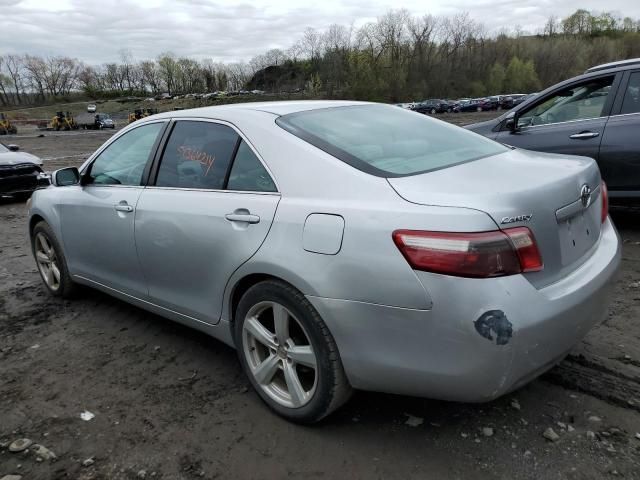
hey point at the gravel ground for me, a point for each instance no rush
(171, 403)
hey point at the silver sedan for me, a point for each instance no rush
(339, 245)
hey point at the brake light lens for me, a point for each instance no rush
(475, 255)
(604, 193)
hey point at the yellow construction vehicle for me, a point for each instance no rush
(139, 113)
(63, 121)
(5, 126)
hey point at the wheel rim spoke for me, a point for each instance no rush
(49, 274)
(281, 322)
(259, 332)
(303, 355)
(56, 272)
(41, 257)
(298, 395)
(43, 244)
(266, 370)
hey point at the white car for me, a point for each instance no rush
(91, 108)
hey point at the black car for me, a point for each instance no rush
(596, 114)
(19, 171)
(473, 105)
(491, 103)
(432, 106)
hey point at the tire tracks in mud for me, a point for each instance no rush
(589, 375)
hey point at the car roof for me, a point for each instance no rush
(617, 64)
(276, 108)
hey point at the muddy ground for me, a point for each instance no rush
(172, 403)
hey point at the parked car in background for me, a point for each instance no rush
(19, 171)
(507, 102)
(91, 108)
(432, 106)
(96, 121)
(490, 103)
(596, 115)
(421, 259)
(472, 105)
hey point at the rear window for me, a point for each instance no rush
(386, 141)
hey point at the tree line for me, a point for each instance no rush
(398, 57)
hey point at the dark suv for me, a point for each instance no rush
(433, 106)
(596, 114)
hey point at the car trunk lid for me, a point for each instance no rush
(522, 188)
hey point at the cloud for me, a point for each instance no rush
(95, 30)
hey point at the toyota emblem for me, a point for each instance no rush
(585, 195)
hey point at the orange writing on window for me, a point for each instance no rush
(200, 156)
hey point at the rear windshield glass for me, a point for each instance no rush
(388, 141)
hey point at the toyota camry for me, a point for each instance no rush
(339, 246)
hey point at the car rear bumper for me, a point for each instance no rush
(481, 339)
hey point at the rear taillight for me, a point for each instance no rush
(604, 193)
(478, 255)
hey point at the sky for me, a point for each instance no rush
(96, 30)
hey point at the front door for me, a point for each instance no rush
(209, 211)
(97, 217)
(569, 121)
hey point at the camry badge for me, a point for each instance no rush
(585, 195)
(517, 218)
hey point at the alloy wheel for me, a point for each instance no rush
(279, 354)
(47, 261)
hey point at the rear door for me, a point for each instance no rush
(207, 212)
(569, 120)
(620, 149)
(97, 217)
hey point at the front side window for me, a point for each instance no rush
(577, 102)
(123, 161)
(386, 141)
(197, 155)
(3, 149)
(631, 102)
(248, 174)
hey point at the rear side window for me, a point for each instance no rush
(248, 174)
(387, 141)
(631, 102)
(197, 155)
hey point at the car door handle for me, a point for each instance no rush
(123, 207)
(584, 135)
(242, 217)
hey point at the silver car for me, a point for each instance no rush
(339, 245)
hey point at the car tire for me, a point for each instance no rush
(64, 287)
(479, 109)
(433, 111)
(287, 353)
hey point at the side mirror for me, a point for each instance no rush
(13, 148)
(66, 176)
(511, 122)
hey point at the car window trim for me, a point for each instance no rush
(213, 190)
(231, 163)
(606, 108)
(624, 114)
(156, 161)
(85, 169)
(530, 127)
